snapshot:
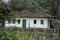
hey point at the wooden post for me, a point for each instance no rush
(54, 32)
(58, 32)
(29, 28)
(44, 35)
(34, 33)
(37, 35)
(17, 31)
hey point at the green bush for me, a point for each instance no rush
(23, 35)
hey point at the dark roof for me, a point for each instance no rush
(28, 14)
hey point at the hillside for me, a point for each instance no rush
(10, 10)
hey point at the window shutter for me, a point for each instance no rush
(14, 21)
(42, 21)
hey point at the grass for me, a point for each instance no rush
(26, 35)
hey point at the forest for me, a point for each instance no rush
(12, 7)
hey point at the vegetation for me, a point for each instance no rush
(48, 6)
(26, 35)
(6, 12)
(10, 9)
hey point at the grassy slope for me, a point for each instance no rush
(26, 35)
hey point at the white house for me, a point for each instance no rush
(31, 20)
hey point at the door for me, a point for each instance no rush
(24, 23)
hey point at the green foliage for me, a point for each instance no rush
(58, 13)
(7, 36)
(25, 35)
(13, 14)
(6, 12)
(49, 6)
(31, 5)
(17, 5)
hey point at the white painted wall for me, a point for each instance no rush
(38, 24)
(29, 23)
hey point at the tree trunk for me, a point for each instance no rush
(2, 23)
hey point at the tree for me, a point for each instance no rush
(17, 5)
(31, 5)
(54, 4)
(5, 12)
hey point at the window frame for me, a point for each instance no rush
(9, 21)
(35, 21)
(18, 21)
(14, 21)
(42, 22)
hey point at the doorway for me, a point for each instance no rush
(24, 23)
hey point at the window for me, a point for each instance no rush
(14, 21)
(9, 20)
(18, 20)
(34, 21)
(42, 21)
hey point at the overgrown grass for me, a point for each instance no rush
(26, 35)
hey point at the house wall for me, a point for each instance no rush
(29, 23)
